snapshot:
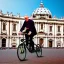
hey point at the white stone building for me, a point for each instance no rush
(50, 29)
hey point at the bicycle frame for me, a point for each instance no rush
(21, 50)
(24, 43)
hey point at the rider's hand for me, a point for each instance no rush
(24, 29)
(29, 33)
(19, 33)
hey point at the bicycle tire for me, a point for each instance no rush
(21, 52)
(38, 50)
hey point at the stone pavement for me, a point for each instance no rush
(50, 56)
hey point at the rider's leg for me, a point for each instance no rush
(26, 37)
(31, 42)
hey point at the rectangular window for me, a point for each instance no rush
(58, 28)
(4, 26)
(50, 28)
(63, 28)
(41, 26)
(63, 39)
(14, 27)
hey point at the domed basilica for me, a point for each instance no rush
(50, 30)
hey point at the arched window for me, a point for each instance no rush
(13, 42)
(50, 42)
(41, 41)
(50, 16)
(3, 42)
(34, 16)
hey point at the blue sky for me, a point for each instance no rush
(28, 6)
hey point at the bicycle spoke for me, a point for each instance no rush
(38, 51)
(21, 52)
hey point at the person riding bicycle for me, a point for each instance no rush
(29, 28)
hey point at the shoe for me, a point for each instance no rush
(32, 51)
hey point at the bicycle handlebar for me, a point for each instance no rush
(23, 33)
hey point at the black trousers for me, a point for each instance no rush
(29, 40)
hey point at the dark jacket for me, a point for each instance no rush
(30, 25)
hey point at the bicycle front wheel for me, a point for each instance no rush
(21, 52)
(38, 50)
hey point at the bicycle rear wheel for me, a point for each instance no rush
(21, 52)
(38, 50)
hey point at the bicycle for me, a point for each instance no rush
(22, 48)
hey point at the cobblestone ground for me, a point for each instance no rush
(50, 56)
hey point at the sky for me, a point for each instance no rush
(26, 7)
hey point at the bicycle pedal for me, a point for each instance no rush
(32, 51)
(38, 49)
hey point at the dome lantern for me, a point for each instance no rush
(41, 5)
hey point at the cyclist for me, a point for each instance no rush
(29, 28)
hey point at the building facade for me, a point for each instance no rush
(9, 28)
(50, 30)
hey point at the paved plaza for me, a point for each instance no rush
(50, 56)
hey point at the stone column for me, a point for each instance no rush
(0, 42)
(62, 42)
(0, 26)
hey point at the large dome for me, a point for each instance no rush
(41, 11)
